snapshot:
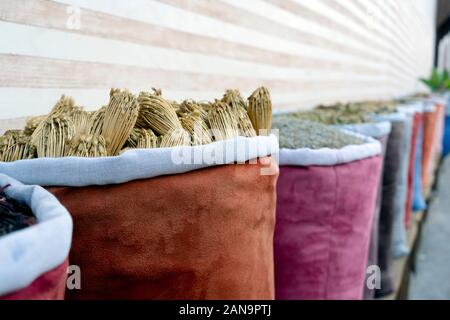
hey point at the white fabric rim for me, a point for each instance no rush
(138, 163)
(391, 117)
(373, 129)
(413, 107)
(330, 157)
(28, 253)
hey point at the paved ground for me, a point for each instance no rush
(432, 278)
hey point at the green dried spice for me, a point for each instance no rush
(295, 134)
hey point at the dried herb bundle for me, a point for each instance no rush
(142, 139)
(194, 123)
(16, 145)
(96, 120)
(88, 146)
(120, 118)
(157, 114)
(33, 123)
(63, 107)
(53, 140)
(177, 137)
(234, 99)
(80, 119)
(223, 121)
(189, 106)
(260, 110)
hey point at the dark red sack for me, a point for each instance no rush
(204, 234)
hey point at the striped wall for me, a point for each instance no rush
(305, 51)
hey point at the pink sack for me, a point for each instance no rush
(49, 286)
(324, 218)
(33, 261)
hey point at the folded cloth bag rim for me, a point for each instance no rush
(138, 163)
(28, 253)
(371, 129)
(328, 156)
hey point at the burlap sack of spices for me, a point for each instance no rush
(169, 223)
(33, 260)
(325, 206)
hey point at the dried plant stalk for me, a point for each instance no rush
(194, 123)
(142, 139)
(80, 119)
(16, 145)
(33, 123)
(189, 106)
(57, 131)
(147, 139)
(234, 99)
(177, 137)
(96, 120)
(260, 110)
(223, 122)
(65, 105)
(120, 118)
(89, 146)
(157, 114)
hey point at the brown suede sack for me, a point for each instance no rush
(205, 234)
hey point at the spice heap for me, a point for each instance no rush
(14, 215)
(295, 134)
(147, 120)
(339, 114)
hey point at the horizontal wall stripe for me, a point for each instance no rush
(306, 52)
(106, 26)
(59, 45)
(247, 18)
(47, 73)
(366, 18)
(331, 22)
(179, 19)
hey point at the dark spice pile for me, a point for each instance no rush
(14, 215)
